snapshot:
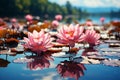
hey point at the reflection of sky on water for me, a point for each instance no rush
(19, 71)
(101, 72)
(45, 76)
(93, 72)
(96, 19)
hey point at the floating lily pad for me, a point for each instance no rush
(114, 45)
(86, 60)
(63, 54)
(117, 54)
(112, 62)
(110, 49)
(97, 57)
(4, 52)
(112, 41)
(22, 60)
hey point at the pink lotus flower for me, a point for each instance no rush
(89, 23)
(29, 17)
(71, 69)
(55, 23)
(1, 20)
(92, 37)
(13, 20)
(58, 17)
(70, 35)
(1, 28)
(39, 62)
(38, 41)
(102, 19)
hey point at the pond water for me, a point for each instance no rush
(26, 70)
(96, 19)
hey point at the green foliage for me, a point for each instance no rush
(42, 8)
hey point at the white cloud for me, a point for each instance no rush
(90, 3)
(116, 3)
(50, 76)
(93, 3)
(45, 76)
(76, 2)
(25, 68)
(52, 64)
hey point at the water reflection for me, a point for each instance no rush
(4, 63)
(66, 67)
(89, 51)
(70, 69)
(39, 62)
(89, 56)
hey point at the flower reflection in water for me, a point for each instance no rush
(91, 56)
(89, 51)
(39, 62)
(71, 69)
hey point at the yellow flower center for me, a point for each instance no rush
(70, 33)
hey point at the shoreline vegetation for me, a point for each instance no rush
(46, 10)
(42, 8)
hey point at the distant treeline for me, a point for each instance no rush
(115, 14)
(42, 8)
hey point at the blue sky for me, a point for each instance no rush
(90, 3)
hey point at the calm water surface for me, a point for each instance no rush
(20, 71)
